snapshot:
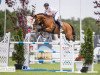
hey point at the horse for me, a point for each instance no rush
(49, 25)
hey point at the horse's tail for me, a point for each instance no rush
(73, 32)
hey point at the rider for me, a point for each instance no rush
(52, 12)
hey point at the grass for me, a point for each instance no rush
(49, 66)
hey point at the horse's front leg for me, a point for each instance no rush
(48, 30)
(39, 30)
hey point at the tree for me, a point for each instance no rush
(18, 54)
(87, 47)
(90, 22)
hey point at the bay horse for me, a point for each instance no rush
(48, 24)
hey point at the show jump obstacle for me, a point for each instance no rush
(66, 52)
(4, 55)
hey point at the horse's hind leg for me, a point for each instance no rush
(58, 35)
(69, 37)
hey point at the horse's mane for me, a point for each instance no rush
(44, 15)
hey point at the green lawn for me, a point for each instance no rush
(49, 66)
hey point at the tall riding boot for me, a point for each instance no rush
(58, 23)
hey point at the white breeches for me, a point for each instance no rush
(57, 16)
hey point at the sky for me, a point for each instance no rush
(67, 8)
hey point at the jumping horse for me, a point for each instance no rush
(48, 24)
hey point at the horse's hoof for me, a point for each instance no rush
(58, 36)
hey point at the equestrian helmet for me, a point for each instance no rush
(46, 4)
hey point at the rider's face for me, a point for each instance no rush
(46, 7)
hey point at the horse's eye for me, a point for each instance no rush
(38, 19)
(35, 16)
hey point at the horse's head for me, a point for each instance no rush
(38, 19)
(41, 18)
(42, 21)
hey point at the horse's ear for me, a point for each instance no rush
(35, 16)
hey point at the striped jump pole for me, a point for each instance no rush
(21, 42)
